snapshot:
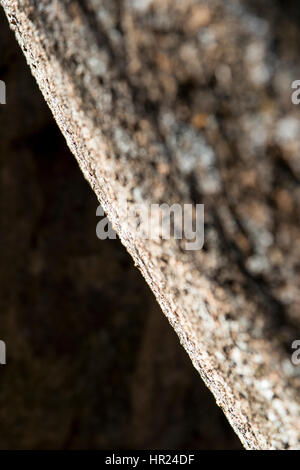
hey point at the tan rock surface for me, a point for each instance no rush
(158, 107)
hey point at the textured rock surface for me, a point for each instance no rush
(179, 101)
(92, 362)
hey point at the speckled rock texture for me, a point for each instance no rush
(190, 101)
(92, 362)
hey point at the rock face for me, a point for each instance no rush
(188, 101)
(92, 362)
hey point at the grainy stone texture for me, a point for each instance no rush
(92, 363)
(179, 101)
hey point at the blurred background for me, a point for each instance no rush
(91, 361)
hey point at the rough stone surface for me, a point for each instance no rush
(92, 363)
(189, 101)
